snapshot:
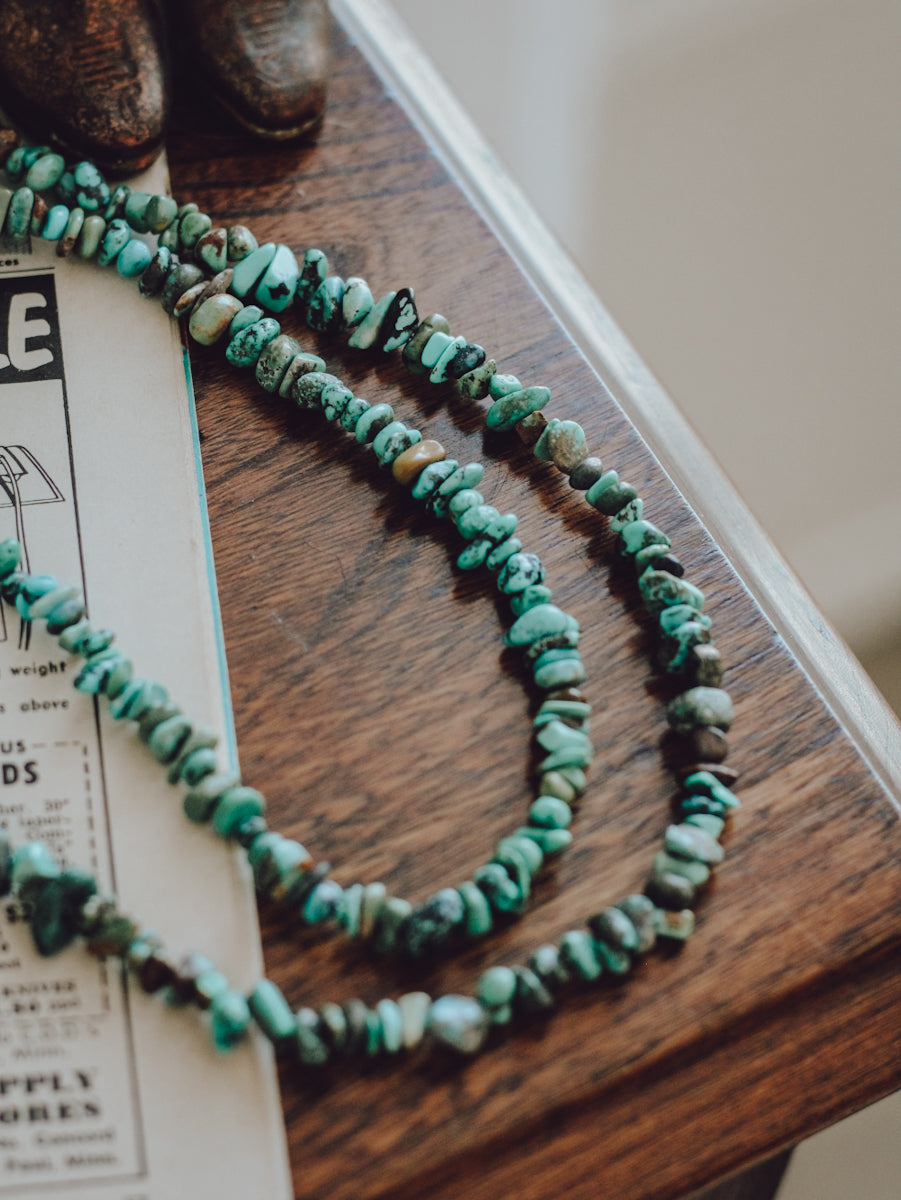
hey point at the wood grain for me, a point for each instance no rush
(376, 708)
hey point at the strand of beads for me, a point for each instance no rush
(699, 716)
(283, 869)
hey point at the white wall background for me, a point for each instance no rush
(727, 173)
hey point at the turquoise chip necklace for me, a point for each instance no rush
(226, 287)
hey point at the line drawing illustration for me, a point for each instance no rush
(23, 482)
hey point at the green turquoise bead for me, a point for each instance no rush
(543, 620)
(435, 347)
(517, 865)
(639, 534)
(633, 511)
(249, 315)
(477, 919)
(200, 803)
(6, 195)
(324, 307)
(551, 841)
(392, 1025)
(334, 399)
(431, 478)
(134, 259)
(159, 213)
(31, 864)
(92, 231)
(18, 217)
(167, 739)
(10, 556)
(555, 735)
(700, 707)
(708, 822)
(301, 364)
(273, 363)
(673, 617)
(569, 710)
(356, 303)
(549, 675)
(613, 926)
(579, 956)
(56, 907)
(192, 227)
(229, 1018)
(239, 243)
(530, 598)
(49, 600)
(366, 333)
(235, 807)
(474, 519)
(502, 893)
(250, 270)
(508, 410)
(549, 812)
(614, 960)
(32, 154)
(136, 205)
(15, 164)
(278, 285)
(439, 369)
(496, 987)
(459, 1022)
(527, 849)
(393, 440)
(213, 319)
(697, 873)
(503, 385)
(55, 223)
(91, 189)
(692, 844)
(313, 269)
(661, 591)
(372, 421)
(246, 346)
(703, 783)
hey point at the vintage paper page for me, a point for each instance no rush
(107, 1093)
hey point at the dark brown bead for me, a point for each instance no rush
(672, 891)
(357, 1033)
(155, 972)
(668, 563)
(704, 666)
(38, 215)
(709, 745)
(572, 693)
(531, 427)
(724, 774)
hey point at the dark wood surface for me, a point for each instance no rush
(376, 708)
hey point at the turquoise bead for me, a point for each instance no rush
(15, 165)
(250, 270)
(691, 843)
(301, 364)
(246, 346)
(392, 1025)
(594, 495)
(134, 259)
(435, 347)
(432, 476)
(578, 954)
(313, 270)
(551, 841)
(324, 307)
(708, 822)
(334, 399)
(555, 735)
(18, 217)
(496, 987)
(249, 315)
(459, 1022)
(239, 243)
(32, 154)
(55, 223)
(633, 511)
(549, 812)
(678, 614)
(438, 373)
(91, 189)
(10, 556)
(612, 958)
(543, 620)
(92, 230)
(675, 926)
(356, 302)
(573, 710)
(474, 554)
(167, 739)
(366, 333)
(56, 907)
(273, 363)
(6, 195)
(351, 415)
(235, 806)
(530, 598)
(229, 1018)
(525, 847)
(31, 864)
(508, 410)
(115, 239)
(49, 600)
(393, 440)
(214, 319)
(414, 1009)
(695, 872)
(477, 918)
(703, 783)
(502, 893)
(503, 385)
(192, 227)
(639, 534)
(136, 205)
(699, 707)
(200, 803)
(278, 285)
(661, 591)
(372, 421)
(159, 213)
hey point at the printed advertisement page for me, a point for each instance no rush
(107, 1092)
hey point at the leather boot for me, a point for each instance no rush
(89, 75)
(266, 61)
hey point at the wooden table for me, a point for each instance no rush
(374, 703)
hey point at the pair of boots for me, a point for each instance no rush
(94, 76)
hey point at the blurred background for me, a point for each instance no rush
(728, 177)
